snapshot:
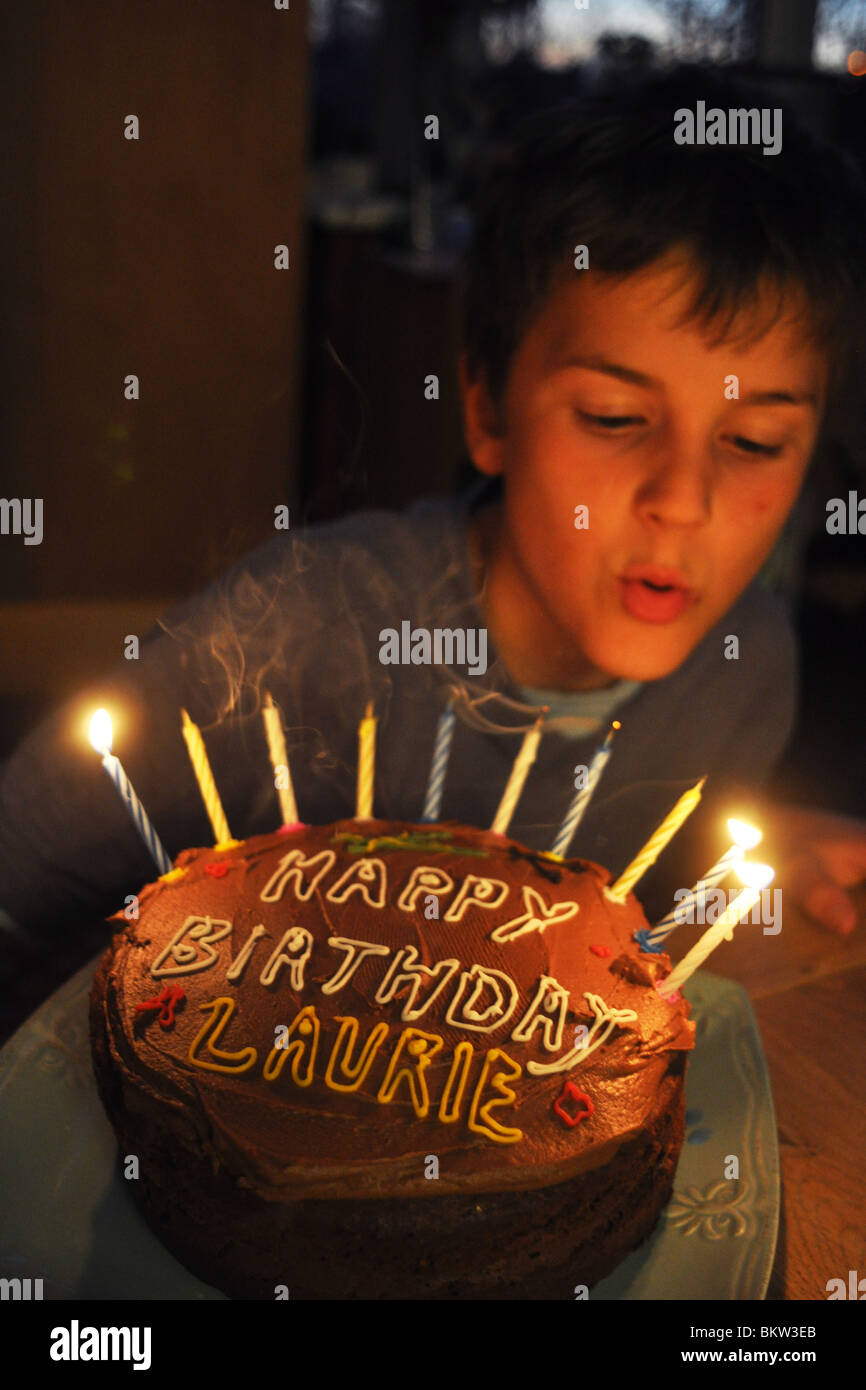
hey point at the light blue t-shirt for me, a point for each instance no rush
(578, 713)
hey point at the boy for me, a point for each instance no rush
(650, 406)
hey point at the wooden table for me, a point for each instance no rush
(808, 990)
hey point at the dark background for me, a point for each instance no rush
(262, 127)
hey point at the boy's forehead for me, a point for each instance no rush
(633, 314)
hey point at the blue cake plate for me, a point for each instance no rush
(68, 1217)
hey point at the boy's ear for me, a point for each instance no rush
(482, 426)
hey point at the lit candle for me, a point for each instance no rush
(366, 764)
(279, 761)
(439, 765)
(100, 737)
(581, 798)
(206, 784)
(620, 890)
(519, 772)
(745, 837)
(756, 877)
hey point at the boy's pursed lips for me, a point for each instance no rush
(655, 593)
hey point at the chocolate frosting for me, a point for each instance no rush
(287, 1141)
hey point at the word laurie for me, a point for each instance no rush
(444, 646)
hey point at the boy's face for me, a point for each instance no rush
(612, 406)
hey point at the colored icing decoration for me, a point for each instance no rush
(294, 950)
(478, 892)
(422, 1048)
(302, 1044)
(405, 970)
(345, 1044)
(606, 1019)
(431, 842)
(360, 878)
(237, 967)
(166, 1002)
(291, 869)
(426, 878)
(356, 951)
(602, 951)
(536, 916)
(480, 1119)
(193, 953)
(291, 829)
(449, 1109)
(221, 1011)
(482, 1020)
(217, 870)
(550, 998)
(572, 1092)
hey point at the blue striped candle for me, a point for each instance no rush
(745, 837)
(582, 798)
(100, 737)
(439, 765)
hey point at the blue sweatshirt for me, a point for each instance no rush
(302, 617)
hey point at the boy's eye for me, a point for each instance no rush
(610, 422)
(617, 422)
(751, 446)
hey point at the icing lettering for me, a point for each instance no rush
(361, 877)
(345, 1043)
(302, 1043)
(405, 969)
(220, 1011)
(293, 950)
(421, 1048)
(550, 998)
(479, 892)
(482, 1020)
(426, 878)
(449, 1110)
(606, 1019)
(202, 933)
(536, 916)
(356, 951)
(291, 869)
(238, 966)
(480, 1119)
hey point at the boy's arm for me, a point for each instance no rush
(822, 856)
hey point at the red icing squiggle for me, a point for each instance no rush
(166, 1002)
(572, 1092)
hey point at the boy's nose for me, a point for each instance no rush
(677, 490)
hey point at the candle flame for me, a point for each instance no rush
(743, 834)
(755, 875)
(100, 731)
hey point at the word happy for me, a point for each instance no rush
(444, 646)
(737, 126)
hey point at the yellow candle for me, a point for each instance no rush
(366, 763)
(620, 890)
(519, 773)
(280, 761)
(204, 777)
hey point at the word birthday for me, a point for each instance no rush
(444, 646)
(737, 126)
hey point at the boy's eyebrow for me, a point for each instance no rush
(594, 363)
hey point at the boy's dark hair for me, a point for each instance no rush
(605, 171)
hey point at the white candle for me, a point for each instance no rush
(519, 773)
(756, 877)
(100, 738)
(745, 837)
(279, 761)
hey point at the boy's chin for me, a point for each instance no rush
(649, 660)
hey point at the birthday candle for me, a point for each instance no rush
(206, 784)
(756, 877)
(279, 761)
(745, 837)
(439, 765)
(519, 772)
(619, 891)
(581, 799)
(100, 737)
(366, 763)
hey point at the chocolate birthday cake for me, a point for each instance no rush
(382, 1060)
